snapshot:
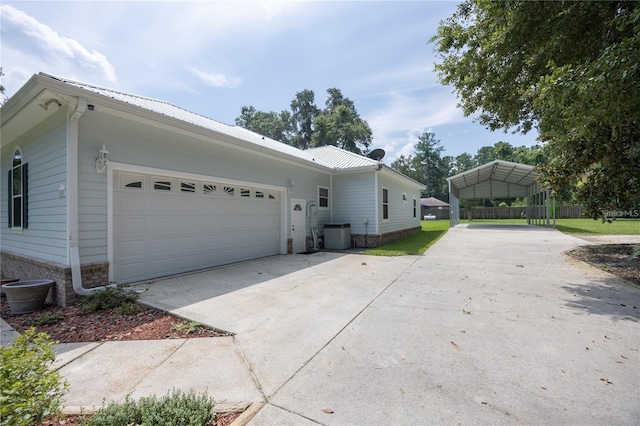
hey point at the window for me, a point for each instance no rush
(188, 187)
(229, 190)
(323, 197)
(209, 189)
(415, 208)
(17, 206)
(128, 181)
(245, 192)
(385, 204)
(162, 185)
(259, 194)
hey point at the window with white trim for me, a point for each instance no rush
(162, 185)
(415, 207)
(189, 187)
(128, 181)
(385, 204)
(17, 192)
(323, 197)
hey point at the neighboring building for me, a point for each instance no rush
(174, 191)
(433, 207)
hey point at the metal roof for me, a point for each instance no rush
(341, 159)
(433, 202)
(498, 179)
(172, 111)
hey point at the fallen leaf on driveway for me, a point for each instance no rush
(327, 410)
(455, 346)
(602, 379)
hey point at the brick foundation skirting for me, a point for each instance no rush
(377, 240)
(29, 268)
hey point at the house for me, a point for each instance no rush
(100, 186)
(432, 206)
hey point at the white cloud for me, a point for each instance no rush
(217, 79)
(54, 45)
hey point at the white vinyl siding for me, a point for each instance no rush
(44, 149)
(353, 199)
(400, 212)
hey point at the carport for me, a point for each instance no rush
(501, 179)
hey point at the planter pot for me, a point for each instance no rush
(6, 281)
(27, 296)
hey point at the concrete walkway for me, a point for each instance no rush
(493, 325)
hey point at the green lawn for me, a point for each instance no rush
(417, 243)
(581, 226)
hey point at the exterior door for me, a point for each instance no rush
(298, 225)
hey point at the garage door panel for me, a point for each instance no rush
(162, 233)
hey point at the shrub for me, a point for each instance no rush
(30, 391)
(106, 299)
(176, 409)
(48, 318)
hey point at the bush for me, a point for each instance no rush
(48, 318)
(30, 391)
(176, 409)
(106, 299)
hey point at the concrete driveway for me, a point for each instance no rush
(493, 325)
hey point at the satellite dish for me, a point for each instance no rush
(377, 154)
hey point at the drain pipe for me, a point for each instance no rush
(72, 194)
(313, 223)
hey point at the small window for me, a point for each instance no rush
(323, 197)
(245, 192)
(188, 187)
(259, 194)
(229, 190)
(273, 196)
(415, 208)
(297, 207)
(128, 181)
(162, 185)
(385, 204)
(209, 189)
(17, 205)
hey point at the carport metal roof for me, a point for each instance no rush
(498, 179)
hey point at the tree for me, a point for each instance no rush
(3, 97)
(427, 166)
(339, 124)
(304, 112)
(570, 69)
(270, 124)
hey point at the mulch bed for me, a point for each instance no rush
(100, 326)
(612, 258)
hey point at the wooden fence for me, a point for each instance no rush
(562, 212)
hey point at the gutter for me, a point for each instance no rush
(72, 194)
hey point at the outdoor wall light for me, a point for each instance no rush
(45, 105)
(290, 187)
(102, 160)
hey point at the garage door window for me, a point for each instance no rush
(229, 191)
(162, 185)
(209, 189)
(128, 181)
(189, 187)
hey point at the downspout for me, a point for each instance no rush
(72, 194)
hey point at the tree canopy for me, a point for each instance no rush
(306, 125)
(570, 69)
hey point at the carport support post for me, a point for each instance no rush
(547, 197)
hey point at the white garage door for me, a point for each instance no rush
(164, 226)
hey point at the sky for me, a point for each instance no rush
(214, 57)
